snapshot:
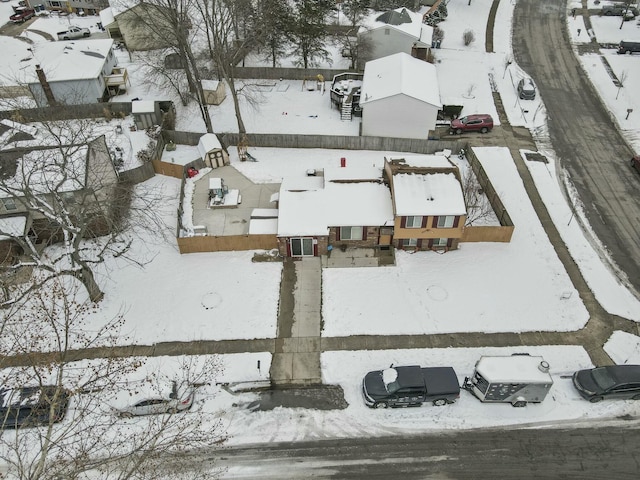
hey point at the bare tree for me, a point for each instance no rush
(170, 20)
(351, 47)
(622, 79)
(80, 434)
(75, 212)
(478, 205)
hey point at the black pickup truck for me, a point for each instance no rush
(410, 386)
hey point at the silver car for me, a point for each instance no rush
(155, 406)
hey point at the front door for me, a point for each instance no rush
(301, 247)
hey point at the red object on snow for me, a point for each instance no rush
(343, 162)
(192, 172)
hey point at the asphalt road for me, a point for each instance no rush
(582, 453)
(584, 137)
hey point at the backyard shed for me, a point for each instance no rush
(214, 92)
(211, 151)
(146, 113)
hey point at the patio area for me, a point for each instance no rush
(230, 220)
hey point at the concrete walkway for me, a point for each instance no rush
(296, 358)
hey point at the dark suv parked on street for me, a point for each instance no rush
(31, 406)
(614, 381)
(481, 122)
(628, 47)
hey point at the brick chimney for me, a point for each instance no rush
(45, 86)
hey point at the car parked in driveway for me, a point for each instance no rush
(159, 405)
(22, 15)
(526, 89)
(616, 381)
(482, 123)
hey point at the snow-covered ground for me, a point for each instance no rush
(519, 286)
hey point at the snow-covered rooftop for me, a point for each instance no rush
(397, 74)
(143, 106)
(513, 369)
(207, 143)
(428, 194)
(106, 16)
(49, 170)
(433, 161)
(12, 226)
(328, 204)
(401, 19)
(210, 84)
(60, 61)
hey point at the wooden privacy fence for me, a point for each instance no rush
(504, 232)
(487, 233)
(227, 243)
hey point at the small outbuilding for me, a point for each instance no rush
(214, 92)
(211, 151)
(146, 113)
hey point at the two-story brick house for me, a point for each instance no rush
(415, 202)
(428, 202)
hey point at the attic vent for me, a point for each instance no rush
(93, 54)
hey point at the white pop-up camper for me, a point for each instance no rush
(517, 379)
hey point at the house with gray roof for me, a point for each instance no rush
(400, 97)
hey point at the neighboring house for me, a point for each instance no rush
(400, 97)
(395, 31)
(428, 202)
(138, 24)
(345, 206)
(82, 175)
(80, 7)
(71, 73)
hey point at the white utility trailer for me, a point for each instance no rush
(517, 379)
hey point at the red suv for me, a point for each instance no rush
(22, 15)
(472, 123)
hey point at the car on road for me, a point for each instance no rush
(635, 162)
(159, 405)
(526, 89)
(22, 15)
(482, 123)
(410, 386)
(31, 406)
(616, 381)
